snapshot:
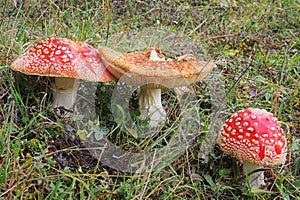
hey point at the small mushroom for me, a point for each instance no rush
(67, 61)
(152, 72)
(255, 138)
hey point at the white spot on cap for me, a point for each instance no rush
(39, 52)
(269, 153)
(274, 119)
(65, 58)
(253, 117)
(51, 54)
(250, 129)
(238, 119)
(279, 143)
(253, 148)
(254, 141)
(233, 132)
(240, 137)
(246, 124)
(279, 134)
(46, 51)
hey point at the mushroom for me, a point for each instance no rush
(255, 138)
(67, 61)
(152, 72)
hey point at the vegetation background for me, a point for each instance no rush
(255, 44)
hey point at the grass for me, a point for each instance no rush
(256, 47)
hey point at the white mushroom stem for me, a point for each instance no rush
(65, 92)
(150, 105)
(256, 179)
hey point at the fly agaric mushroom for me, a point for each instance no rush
(254, 137)
(67, 61)
(150, 70)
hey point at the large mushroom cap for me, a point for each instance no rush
(61, 57)
(254, 135)
(138, 69)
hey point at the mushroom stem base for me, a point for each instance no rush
(256, 179)
(150, 106)
(65, 93)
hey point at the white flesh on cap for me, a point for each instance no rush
(150, 101)
(65, 93)
(256, 179)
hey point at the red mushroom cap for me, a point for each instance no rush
(61, 57)
(254, 135)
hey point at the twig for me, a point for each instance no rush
(218, 36)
